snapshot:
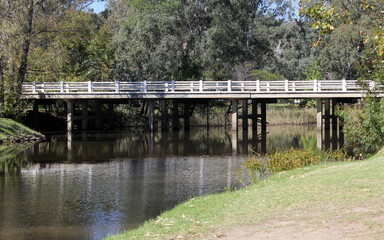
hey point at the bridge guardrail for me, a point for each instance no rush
(192, 86)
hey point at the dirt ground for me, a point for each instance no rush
(352, 222)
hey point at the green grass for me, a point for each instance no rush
(313, 195)
(10, 129)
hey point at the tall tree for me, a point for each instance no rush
(186, 39)
(27, 28)
(344, 29)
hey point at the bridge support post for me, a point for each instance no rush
(319, 123)
(98, 112)
(254, 117)
(36, 114)
(234, 142)
(319, 118)
(164, 115)
(234, 114)
(334, 123)
(111, 114)
(151, 104)
(69, 115)
(327, 123)
(244, 104)
(263, 118)
(175, 115)
(84, 115)
(187, 120)
(263, 127)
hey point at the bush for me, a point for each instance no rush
(364, 126)
(260, 166)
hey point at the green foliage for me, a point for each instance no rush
(265, 75)
(293, 50)
(188, 40)
(344, 29)
(364, 126)
(313, 72)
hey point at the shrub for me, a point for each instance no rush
(260, 166)
(364, 126)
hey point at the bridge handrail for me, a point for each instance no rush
(193, 86)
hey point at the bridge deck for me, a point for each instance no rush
(195, 89)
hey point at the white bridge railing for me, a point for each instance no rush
(192, 87)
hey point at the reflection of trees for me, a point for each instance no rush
(12, 160)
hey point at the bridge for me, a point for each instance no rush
(328, 94)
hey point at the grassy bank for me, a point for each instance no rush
(338, 200)
(12, 131)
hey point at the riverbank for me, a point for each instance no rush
(12, 132)
(334, 201)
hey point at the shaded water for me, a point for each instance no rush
(86, 186)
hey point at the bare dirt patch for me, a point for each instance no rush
(353, 222)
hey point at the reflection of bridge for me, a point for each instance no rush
(180, 95)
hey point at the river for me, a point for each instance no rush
(86, 186)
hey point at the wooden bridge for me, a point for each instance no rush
(328, 93)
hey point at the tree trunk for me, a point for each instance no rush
(1, 81)
(27, 41)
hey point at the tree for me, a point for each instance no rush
(186, 39)
(343, 28)
(34, 42)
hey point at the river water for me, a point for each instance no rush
(86, 186)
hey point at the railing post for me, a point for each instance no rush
(144, 86)
(61, 86)
(315, 85)
(217, 87)
(258, 86)
(372, 85)
(268, 87)
(318, 86)
(42, 88)
(67, 87)
(166, 87)
(229, 86)
(173, 86)
(293, 87)
(117, 86)
(90, 88)
(242, 87)
(33, 87)
(286, 86)
(191, 86)
(201, 85)
(344, 85)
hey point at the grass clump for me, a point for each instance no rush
(292, 158)
(259, 166)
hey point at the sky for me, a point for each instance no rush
(98, 6)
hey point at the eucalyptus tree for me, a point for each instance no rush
(344, 29)
(187, 39)
(30, 31)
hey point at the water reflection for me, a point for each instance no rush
(84, 186)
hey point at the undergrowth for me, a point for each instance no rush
(259, 166)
